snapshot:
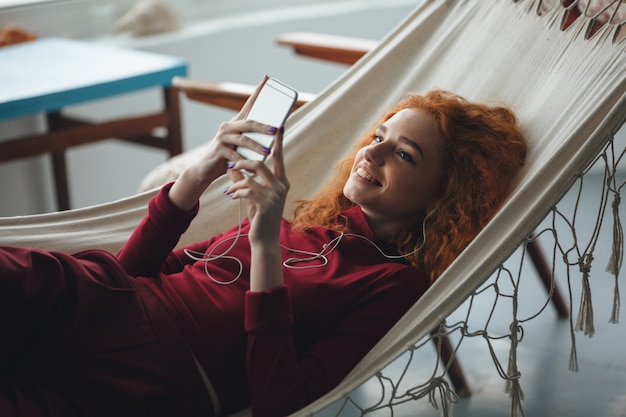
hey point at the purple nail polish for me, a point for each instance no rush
(226, 190)
(230, 165)
(282, 129)
(272, 129)
(266, 150)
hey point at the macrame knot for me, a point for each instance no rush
(584, 322)
(517, 331)
(616, 201)
(463, 329)
(584, 264)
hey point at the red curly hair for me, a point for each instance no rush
(484, 151)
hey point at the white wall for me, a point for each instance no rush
(234, 47)
(80, 18)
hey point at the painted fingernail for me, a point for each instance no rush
(231, 195)
(272, 129)
(282, 129)
(266, 150)
(230, 165)
(226, 190)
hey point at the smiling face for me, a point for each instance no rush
(395, 180)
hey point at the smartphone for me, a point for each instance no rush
(272, 107)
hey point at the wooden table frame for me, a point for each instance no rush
(73, 72)
(65, 132)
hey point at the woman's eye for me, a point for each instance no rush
(377, 139)
(404, 155)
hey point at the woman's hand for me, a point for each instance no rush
(265, 194)
(222, 149)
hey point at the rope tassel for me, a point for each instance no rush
(584, 322)
(573, 356)
(616, 305)
(513, 387)
(617, 255)
(517, 396)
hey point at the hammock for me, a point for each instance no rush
(567, 90)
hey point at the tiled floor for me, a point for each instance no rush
(598, 389)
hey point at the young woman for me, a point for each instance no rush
(273, 313)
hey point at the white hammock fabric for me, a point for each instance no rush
(568, 91)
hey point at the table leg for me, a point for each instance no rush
(60, 180)
(55, 122)
(173, 141)
(174, 131)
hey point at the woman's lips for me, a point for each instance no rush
(367, 176)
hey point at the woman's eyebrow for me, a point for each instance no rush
(405, 140)
(412, 144)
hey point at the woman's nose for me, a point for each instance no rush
(374, 154)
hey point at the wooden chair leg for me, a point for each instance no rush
(545, 273)
(455, 372)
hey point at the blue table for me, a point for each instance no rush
(50, 74)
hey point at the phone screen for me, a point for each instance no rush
(272, 107)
